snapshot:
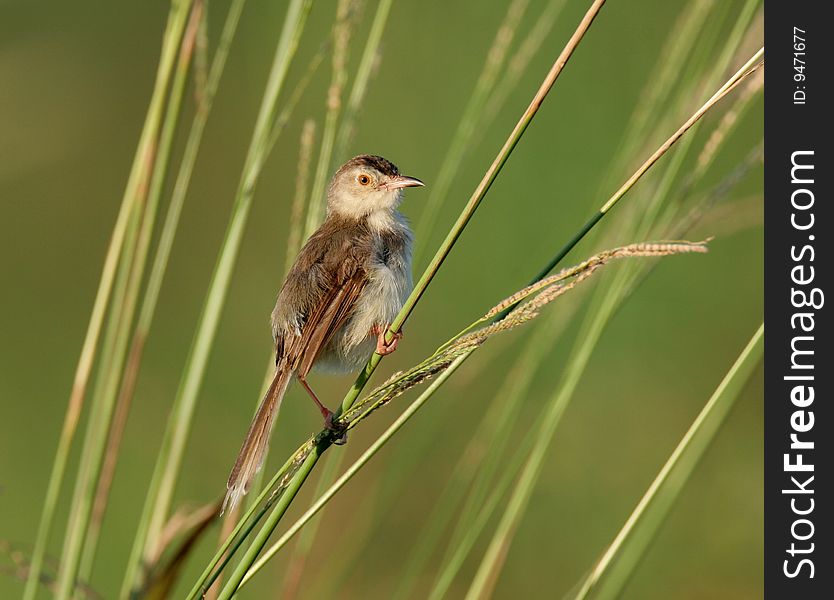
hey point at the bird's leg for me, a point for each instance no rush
(384, 348)
(325, 412)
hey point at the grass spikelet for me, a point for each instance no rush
(642, 249)
(537, 296)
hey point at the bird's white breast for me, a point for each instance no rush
(389, 285)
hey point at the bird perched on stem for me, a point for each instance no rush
(348, 283)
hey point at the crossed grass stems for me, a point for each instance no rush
(124, 267)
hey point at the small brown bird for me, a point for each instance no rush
(348, 283)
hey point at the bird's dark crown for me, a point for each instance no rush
(383, 165)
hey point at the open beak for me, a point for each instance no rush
(401, 181)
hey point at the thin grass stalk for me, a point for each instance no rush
(138, 174)
(496, 56)
(114, 371)
(167, 467)
(614, 568)
(363, 77)
(303, 472)
(347, 475)
(206, 93)
(341, 42)
(486, 576)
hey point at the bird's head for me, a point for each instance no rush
(367, 184)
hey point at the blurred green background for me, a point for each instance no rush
(75, 79)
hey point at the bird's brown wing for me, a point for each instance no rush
(320, 292)
(330, 309)
(335, 307)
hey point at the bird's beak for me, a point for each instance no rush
(401, 181)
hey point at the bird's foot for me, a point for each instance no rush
(384, 348)
(337, 429)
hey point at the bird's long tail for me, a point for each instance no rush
(254, 447)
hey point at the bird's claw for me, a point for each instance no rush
(337, 429)
(384, 348)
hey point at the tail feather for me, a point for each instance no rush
(253, 450)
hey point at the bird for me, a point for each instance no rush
(348, 282)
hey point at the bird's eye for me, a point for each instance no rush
(364, 179)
